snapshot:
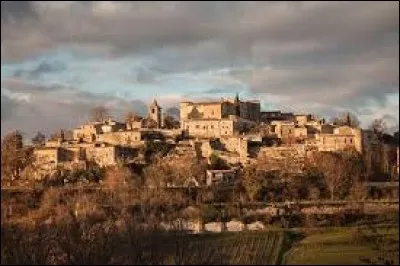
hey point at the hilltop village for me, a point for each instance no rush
(225, 165)
(236, 131)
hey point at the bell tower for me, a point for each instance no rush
(154, 112)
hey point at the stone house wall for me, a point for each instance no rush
(121, 138)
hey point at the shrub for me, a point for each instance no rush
(209, 214)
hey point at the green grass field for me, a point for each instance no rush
(340, 247)
(262, 248)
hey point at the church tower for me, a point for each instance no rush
(154, 112)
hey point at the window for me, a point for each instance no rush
(197, 126)
(345, 140)
(204, 127)
(351, 140)
(212, 126)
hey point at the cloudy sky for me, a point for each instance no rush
(59, 59)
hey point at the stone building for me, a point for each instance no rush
(218, 118)
(105, 155)
(233, 150)
(68, 154)
(250, 110)
(215, 128)
(282, 129)
(221, 177)
(132, 137)
(224, 108)
(112, 126)
(210, 128)
(87, 132)
(237, 145)
(342, 138)
(135, 125)
(47, 155)
(57, 155)
(268, 116)
(49, 159)
(297, 126)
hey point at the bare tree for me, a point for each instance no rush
(39, 139)
(99, 113)
(378, 126)
(341, 170)
(132, 117)
(346, 119)
(396, 136)
(177, 171)
(330, 165)
(150, 123)
(173, 111)
(14, 157)
(252, 182)
(170, 122)
(117, 177)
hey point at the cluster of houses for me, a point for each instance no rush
(237, 131)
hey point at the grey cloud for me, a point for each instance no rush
(7, 106)
(145, 76)
(14, 11)
(215, 90)
(42, 68)
(238, 26)
(18, 85)
(339, 54)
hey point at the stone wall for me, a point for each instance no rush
(47, 155)
(235, 144)
(210, 110)
(209, 128)
(302, 120)
(287, 158)
(342, 138)
(219, 109)
(134, 125)
(103, 156)
(121, 138)
(250, 110)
